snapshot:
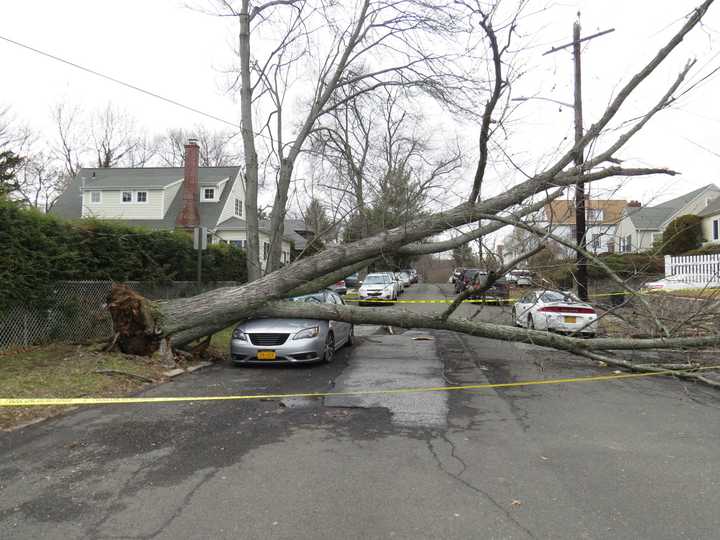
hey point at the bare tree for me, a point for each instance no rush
(180, 321)
(217, 148)
(361, 48)
(72, 140)
(40, 181)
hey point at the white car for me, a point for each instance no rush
(399, 289)
(405, 279)
(377, 288)
(556, 311)
(521, 278)
(677, 283)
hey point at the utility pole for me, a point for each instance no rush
(580, 227)
(580, 200)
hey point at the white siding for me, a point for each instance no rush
(237, 193)
(606, 237)
(707, 228)
(112, 207)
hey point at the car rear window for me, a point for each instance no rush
(554, 296)
(371, 280)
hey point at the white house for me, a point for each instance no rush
(711, 222)
(641, 226)
(601, 219)
(167, 198)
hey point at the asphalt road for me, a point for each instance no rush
(635, 458)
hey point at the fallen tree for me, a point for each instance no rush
(149, 326)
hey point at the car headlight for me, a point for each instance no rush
(239, 334)
(306, 333)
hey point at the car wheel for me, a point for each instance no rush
(531, 322)
(351, 336)
(329, 349)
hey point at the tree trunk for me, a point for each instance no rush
(277, 221)
(252, 250)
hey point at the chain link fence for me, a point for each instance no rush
(76, 313)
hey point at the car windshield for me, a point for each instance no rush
(375, 280)
(318, 298)
(556, 296)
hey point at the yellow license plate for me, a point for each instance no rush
(266, 355)
(571, 320)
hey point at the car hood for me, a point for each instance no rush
(277, 326)
(375, 286)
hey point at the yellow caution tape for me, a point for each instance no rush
(32, 402)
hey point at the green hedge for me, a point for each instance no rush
(681, 235)
(37, 249)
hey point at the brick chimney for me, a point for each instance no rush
(189, 215)
(634, 204)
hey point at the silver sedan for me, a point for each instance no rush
(291, 341)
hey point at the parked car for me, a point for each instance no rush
(498, 292)
(404, 279)
(467, 275)
(377, 287)
(353, 281)
(399, 282)
(521, 278)
(339, 287)
(399, 289)
(457, 273)
(559, 311)
(412, 273)
(291, 341)
(677, 283)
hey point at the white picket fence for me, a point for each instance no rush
(701, 269)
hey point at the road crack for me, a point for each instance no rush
(458, 478)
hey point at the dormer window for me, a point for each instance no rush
(141, 196)
(95, 197)
(126, 196)
(208, 194)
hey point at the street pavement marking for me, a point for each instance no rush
(32, 402)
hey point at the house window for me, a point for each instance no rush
(126, 196)
(595, 243)
(236, 243)
(141, 196)
(611, 246)
(209, 194)
(594, 214)
(266, 250)
(628, 243)
(95, 196)
(238, 207)
(716, 231)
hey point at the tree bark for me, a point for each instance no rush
(252, 250)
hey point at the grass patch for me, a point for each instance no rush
(64, 371)
(221, 340)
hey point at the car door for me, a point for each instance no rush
(342, 329)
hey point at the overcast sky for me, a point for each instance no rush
(163, 46)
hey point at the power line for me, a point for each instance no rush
(118, 81)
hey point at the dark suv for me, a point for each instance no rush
(498, 292)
